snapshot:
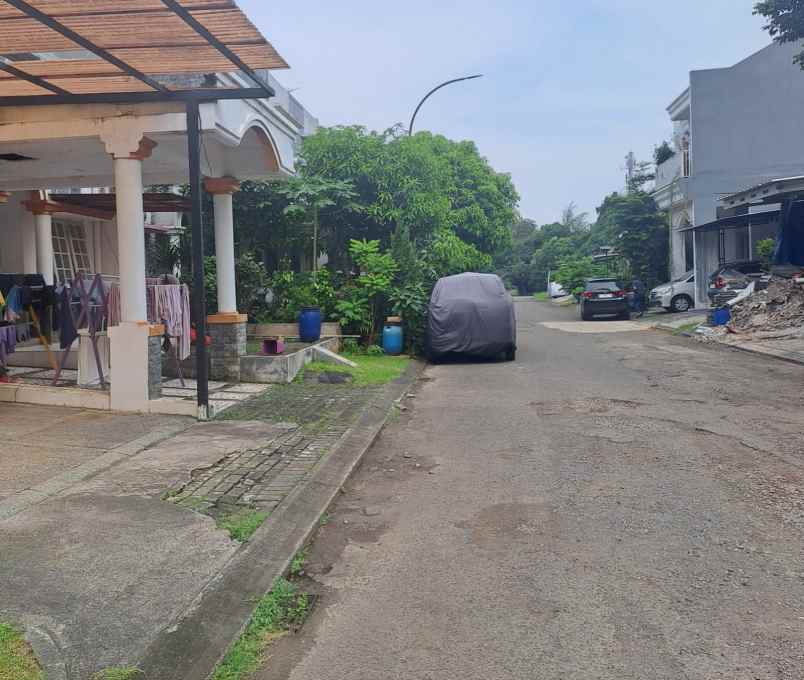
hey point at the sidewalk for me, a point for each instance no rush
(787, 349)
(108, 552)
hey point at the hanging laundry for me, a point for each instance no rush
(173, 309)
(8, 342)
(13, 304)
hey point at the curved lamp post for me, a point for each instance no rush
(433, 91)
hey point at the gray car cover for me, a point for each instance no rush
(471, 314)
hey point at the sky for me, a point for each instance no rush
(569, 88)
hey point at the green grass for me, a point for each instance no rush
(17, 661)
(242, 524)
(284, 608)
(297, 565)
(686, 328)
(541, 296)
(118, 673)
(371, 370)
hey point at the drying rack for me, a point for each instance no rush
(90, 316)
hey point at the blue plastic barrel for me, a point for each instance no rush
(392, 339)
(310, 324)
(720, 317)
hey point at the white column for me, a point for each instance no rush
(130, 238)
(44, 246)
(129, 341)
(222, 190)
(224, 253)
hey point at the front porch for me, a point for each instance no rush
(88, 108)
(101, 235)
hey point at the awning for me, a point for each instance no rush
(773, 191)
(737, 221)
(68, 51)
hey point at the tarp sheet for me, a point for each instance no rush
(471, 314)
(790, 238)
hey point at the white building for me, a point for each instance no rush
(733, 128)
(129, 94)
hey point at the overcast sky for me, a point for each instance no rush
(569, 88)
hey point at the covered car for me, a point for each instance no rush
(473, 315)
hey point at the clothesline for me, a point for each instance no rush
(168, 304)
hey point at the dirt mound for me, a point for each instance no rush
(780, 306)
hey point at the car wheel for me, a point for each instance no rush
(625, 316)
(510, 354)
(681, 303)
(586, 316)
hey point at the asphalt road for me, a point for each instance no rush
(611, 506)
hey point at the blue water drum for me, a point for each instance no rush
(310, 324)
(392, 339)
(720, 317)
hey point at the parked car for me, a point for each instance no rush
(676, 296)
(471, 315)
(557, 290)
(726, 282)
(604, 297)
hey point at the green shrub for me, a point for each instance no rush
(573, 272)
(765, 250)
(292, 292)
(364, 297)
(251, 282)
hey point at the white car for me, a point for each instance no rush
(676, 296)
(556, 291)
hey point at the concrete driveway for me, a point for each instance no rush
(40, 443)
(614, 506)
(94, 563)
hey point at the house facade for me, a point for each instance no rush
(733, 128)
(87, 244)
(130, 97)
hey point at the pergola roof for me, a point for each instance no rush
(60, 49)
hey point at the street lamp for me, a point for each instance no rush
(433, 91)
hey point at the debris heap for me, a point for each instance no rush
(778, 310)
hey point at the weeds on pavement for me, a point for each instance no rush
(118, 673)
(297, 565)
(280, 611)
(242, 524)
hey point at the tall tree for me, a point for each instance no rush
(574, 221)
(634, 225)
(308, 195)
(785, 22)
(437, 189)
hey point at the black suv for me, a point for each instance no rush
(604, 297)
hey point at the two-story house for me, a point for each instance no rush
(733, 128)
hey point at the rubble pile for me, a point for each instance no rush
(780, 307)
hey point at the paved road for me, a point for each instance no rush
(612, 506)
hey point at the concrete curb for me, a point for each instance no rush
(192, 646)
(770, 355)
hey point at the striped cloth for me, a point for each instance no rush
(173, 309)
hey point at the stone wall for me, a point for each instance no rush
(154, 367)
(228, 345)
